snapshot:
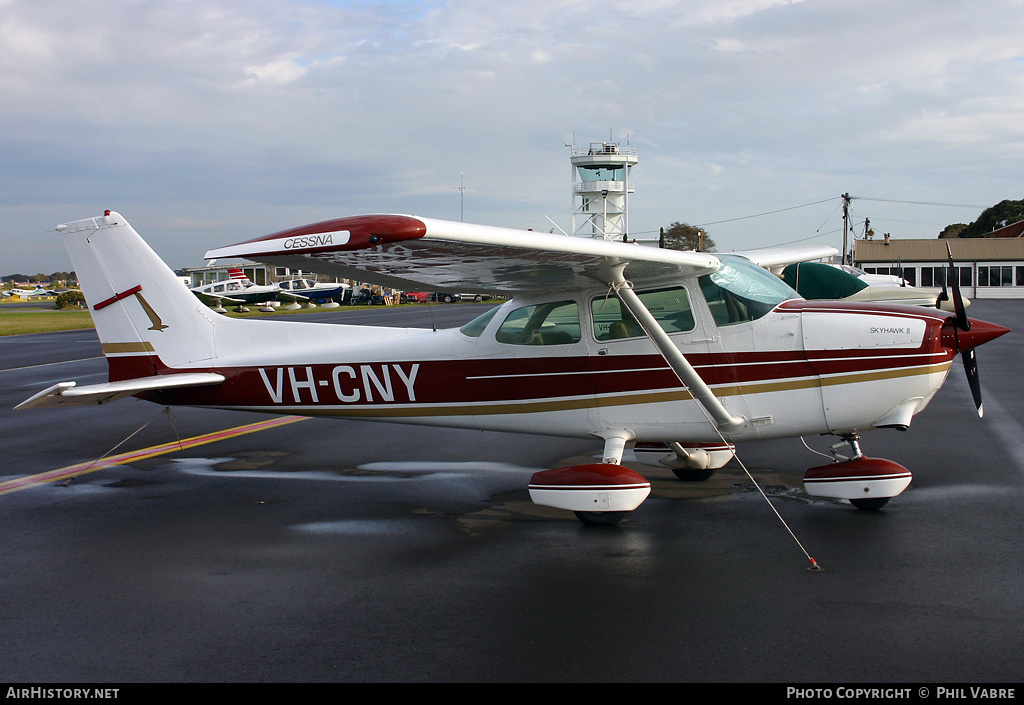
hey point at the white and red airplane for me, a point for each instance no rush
(239, 289)
(688, 352)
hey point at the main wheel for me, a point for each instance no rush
(601, 518)
(692, 475)
(873, 503)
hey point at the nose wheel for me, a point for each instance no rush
(601, 518)
(868, 483)
(874, 503)
(865, 503)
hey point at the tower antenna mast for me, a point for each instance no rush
(462, 199)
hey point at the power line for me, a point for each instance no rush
(921, 203)
(826, 200)
(758, 215)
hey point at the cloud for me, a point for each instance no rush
(259, 115)
(277, 72)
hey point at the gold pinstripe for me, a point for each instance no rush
(488, 409)
(120, 348)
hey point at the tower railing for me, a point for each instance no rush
(603, 148)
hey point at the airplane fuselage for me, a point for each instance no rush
(804, 367)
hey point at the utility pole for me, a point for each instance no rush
(846, 222)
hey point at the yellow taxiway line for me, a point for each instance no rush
(151, 452)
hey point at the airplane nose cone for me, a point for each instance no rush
(963, 340)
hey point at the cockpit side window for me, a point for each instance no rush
(670, 307)
(556, 323)
(741, 291)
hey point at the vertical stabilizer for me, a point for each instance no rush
(146, 318)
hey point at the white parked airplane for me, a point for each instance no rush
(818, 281)
(314, 290)
(239, 289)
(31, 293)
(611, 341)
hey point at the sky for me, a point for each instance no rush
(209, 122)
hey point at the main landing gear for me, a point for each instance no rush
(868, 483)
(602, 494)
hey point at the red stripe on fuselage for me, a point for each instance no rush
(492, 380)
(483, 381)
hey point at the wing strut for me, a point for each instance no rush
(727, 423)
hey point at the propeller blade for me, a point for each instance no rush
(958, 301)
(971, 368)
(964, 324)
(943, 296)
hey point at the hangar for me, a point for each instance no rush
(990, 267)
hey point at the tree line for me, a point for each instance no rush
(998, 216)
(39, 278)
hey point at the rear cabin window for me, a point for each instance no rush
(670, 307)
(556, 323)
(476, 327)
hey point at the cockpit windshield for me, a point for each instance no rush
(741, 291)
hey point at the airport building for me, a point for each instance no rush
(260, 274)
(990, 267)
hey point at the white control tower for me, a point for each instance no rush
(600, 190)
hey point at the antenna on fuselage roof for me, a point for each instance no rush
(430, 310)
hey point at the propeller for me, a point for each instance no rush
(963, 324)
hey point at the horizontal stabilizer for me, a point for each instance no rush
(68, 393)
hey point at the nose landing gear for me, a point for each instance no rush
(868, 483)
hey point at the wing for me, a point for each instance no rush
(211, 300)
(412, 253)
(775, 259)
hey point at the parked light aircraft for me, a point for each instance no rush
(314, 290)
(817, 280)
(31, 293)
(239, 289)
(618, 342)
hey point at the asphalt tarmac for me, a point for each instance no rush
(336, 551)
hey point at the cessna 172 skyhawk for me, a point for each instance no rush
(613, 341)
